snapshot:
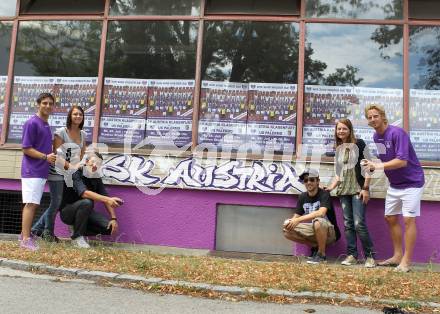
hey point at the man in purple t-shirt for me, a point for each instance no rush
(37, 155)
(406, 177)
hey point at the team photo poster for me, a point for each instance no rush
(67, 91)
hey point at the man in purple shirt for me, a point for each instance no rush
(406, 177)
(37, 155)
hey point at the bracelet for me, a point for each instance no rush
(366, 188)
(113, 219)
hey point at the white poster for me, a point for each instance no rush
(424, 119)
(223, 113)
(67, 91)
(271, 122)
(170, 111)
(124, 108)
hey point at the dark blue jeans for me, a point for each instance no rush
(47, 220)
(355, 225)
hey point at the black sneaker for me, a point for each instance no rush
(393, 310)
(317, 259)
(49, 237)
(37, 232)
(313, 251)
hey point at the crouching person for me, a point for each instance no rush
(78, 202)
(314, 222)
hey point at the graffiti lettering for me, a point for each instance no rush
(189, 173)
(130, 169)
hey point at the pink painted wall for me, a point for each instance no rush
(187, 218)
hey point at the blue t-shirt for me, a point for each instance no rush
(397, 144)
(37, 135)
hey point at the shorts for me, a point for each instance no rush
(32, 190)
(404, 202)
(307, 232)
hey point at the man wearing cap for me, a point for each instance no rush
(314, 222)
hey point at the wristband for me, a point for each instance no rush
(366, 189)
(113, 219)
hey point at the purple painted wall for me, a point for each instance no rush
(187, 218)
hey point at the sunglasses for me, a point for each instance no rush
(311, 180)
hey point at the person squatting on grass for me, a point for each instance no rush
(78, 201)
(406, 177)
(37, 155)
(69, 144)
(352, 188)
(314, 222)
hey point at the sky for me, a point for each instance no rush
(348, 44)
(7, 7)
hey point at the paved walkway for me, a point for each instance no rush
(82, 274)
(23, 292)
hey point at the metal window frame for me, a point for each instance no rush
(202, 18)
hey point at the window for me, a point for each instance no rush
(248, 94)
(59, 57)
(359, 9)
(7, 7)
(62, 7)
(154, 7)
(424, 116)
(424, 9)
(5, 42)
(263, 7)
(348, 67)
(149, 85)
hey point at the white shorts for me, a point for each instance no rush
(404, 202)
(32, 190)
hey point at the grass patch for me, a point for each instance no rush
(261, 295)
(378, 283)
(410, 305)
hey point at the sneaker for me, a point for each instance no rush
(313, 251)
(81, 242)
(402, 269)
(49, 236)
(36, 232)
(317, 259)
(29, 244)
(349, 260)
(370, 262)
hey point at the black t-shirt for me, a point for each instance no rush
(307, 205)
(80, 185)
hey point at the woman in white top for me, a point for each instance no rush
(69, 145)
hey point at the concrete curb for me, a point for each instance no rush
(233, 290)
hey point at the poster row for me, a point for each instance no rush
(230, 114)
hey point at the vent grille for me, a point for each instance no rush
(11, 209)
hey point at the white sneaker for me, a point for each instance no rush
(81, 242)
(349, 260)
(370, 262)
